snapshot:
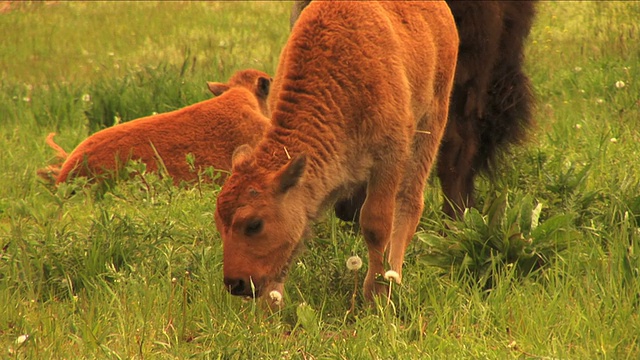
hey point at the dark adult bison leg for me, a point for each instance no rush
(349, 209)
(458, 150)
(479, 28)
(296, 9)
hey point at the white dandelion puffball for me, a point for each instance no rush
(276, 297)
(392, 275)
(620, 84)
(21, 339)
(354, 263)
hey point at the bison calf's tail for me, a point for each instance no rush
(50, 173)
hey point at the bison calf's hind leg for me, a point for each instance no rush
(376, 222)
(410, 199)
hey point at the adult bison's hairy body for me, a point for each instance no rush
(209, 130)
(491, 100)
(360, 96)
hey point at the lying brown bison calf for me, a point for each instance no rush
(491, 100)
(210, 130)
(360, 96)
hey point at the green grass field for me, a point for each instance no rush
(547, 267)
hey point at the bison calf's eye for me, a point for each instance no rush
(253, 227)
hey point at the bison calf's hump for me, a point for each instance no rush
(360, 98)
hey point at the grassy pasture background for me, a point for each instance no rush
(135, 272)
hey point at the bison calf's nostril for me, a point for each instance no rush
(237, 287)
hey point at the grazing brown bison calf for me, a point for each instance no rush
(360, 96)
(491, 100)
(210, 130)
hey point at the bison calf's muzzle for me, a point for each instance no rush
(240, 287)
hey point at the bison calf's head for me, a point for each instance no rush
(261, 218)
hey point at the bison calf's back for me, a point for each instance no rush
(360, 96)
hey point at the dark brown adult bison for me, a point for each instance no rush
(491, 100)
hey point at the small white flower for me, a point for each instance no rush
(354, 263)
(578, 126)
(392, 275)
(174, 280)
(613, 140)
(86, 97)
(620, 84)
(276, 297)
(577, 69)
(26, 99)
(600, 101)
(22, 338)
(111, 53)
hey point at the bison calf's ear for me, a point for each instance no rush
(217, 88)
(262, 87)
(240, 155)
(291, 173)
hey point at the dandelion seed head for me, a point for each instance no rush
(276, 296)
(22, 338)
(392, 275)
(354, 263)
